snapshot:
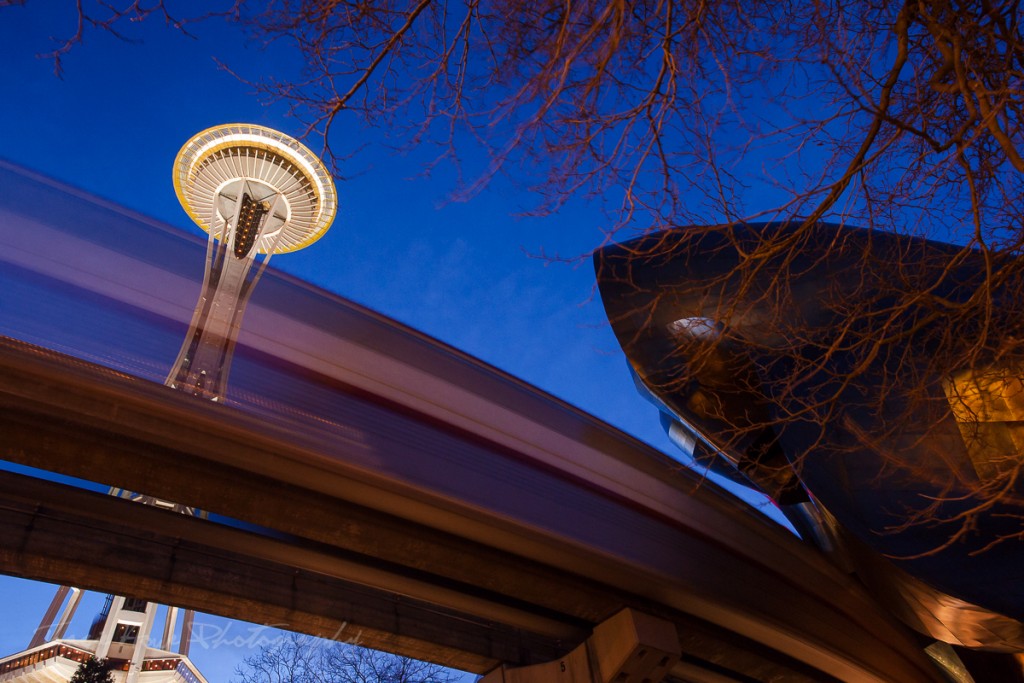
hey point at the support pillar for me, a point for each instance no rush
(107, 635)
(167, 641)
(629, 647)
(67, 614)
(185, 642)
(39, 637)
(141, 644)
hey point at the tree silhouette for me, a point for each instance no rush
(92, 670)
(900, 118)
(303, 659)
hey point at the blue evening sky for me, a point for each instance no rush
(459, 271)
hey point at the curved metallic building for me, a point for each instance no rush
(743, 371)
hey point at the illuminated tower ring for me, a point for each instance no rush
(214, 164)
(256, 192)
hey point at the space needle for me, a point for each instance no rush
(256, 192)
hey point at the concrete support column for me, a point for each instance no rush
(141, 643)
(630, 647)
(107, 635)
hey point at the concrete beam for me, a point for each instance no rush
(74, 538)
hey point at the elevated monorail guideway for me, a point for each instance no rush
(362, 476)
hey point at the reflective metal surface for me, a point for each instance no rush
(875, 461)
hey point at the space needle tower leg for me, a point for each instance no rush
(232, 270)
